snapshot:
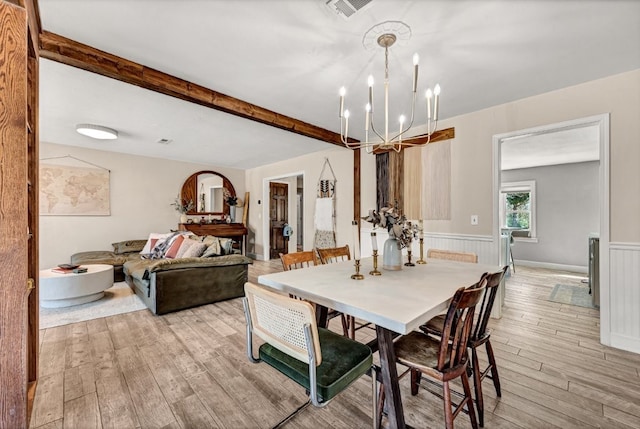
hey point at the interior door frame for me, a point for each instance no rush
(266, 245)
(602, 122)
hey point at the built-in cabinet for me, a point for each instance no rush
(18, 214)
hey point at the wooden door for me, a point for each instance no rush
(278, 217)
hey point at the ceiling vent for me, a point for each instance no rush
(347, 8)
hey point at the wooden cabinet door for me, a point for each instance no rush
(278, 217)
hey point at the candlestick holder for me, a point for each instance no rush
(375, 271)
(409, 263)
(357, 275)
(421, 261)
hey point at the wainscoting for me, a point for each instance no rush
(624, 295)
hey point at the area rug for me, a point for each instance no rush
(573, 295)
(117, 300)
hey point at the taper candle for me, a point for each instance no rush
(374, 241)
(356, 240)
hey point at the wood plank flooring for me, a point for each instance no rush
(189, 370)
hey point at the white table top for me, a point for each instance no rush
(397, 300)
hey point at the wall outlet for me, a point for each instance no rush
(474, 219)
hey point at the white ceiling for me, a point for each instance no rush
(564, 146)
(292, 56)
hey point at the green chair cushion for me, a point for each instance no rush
(343, 362)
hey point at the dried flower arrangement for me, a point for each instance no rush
(397, 225)
(182, 206)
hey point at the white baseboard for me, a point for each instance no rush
(551, 266)
(624, 342)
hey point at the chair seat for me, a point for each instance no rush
(418, 350)
(435, 325)
(343, 362)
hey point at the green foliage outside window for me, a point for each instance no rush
(518, 210)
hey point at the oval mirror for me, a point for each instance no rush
(208, 191)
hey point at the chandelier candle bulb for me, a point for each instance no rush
(367, 117)
(346, 124)
(356, 240)
(429, 97)
(343, 91)
(370, 83)
(436, 93)
(416, 58)
(374, 241)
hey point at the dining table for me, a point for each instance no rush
(397, 302)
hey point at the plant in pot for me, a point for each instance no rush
(232, 202)
(182, 207)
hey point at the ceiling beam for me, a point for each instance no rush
(66, 51)
(436, 136)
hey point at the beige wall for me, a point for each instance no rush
(310, 167)
(472, 151)
(142, 190)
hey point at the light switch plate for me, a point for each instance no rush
(474, 219)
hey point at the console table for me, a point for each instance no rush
(235, 231)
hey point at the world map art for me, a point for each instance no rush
(68, 190)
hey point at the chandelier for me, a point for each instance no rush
(383, 140)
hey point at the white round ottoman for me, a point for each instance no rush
(64, 290)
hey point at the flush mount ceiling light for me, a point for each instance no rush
(97, 132)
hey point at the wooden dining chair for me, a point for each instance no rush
(334, 254)
(319, 360)
(445, 358)
(479, 335)
(452, 256)
(292, 261)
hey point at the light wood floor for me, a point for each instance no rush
(189, 370)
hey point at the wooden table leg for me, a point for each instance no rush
(321, 316)
(395, 413)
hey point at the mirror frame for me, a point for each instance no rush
(190, 192)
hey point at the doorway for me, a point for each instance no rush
(293, 208)
(600, 125)
(278, 218)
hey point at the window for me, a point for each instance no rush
(518, 208)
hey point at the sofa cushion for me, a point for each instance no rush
(214, 249)
(153, 240)
(195, 250)
(172, 251)
(128, 246)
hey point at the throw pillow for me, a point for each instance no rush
(186, 244)
(195, 251)
(128, 246)
(148, 247)
(214, 249)
(226, 244)
(172, 250)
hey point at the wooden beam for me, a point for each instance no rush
(437, 136)
(66, 51)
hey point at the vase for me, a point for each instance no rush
(232, 213)
(183, 218)
(391, 255)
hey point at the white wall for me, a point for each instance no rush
(142, 190)
(310, 166)
(566, 210)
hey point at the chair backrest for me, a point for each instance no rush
(334, 254)
(292, 261)
(484, 310)
(458, 324)
(452, 256)
(280, 321)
